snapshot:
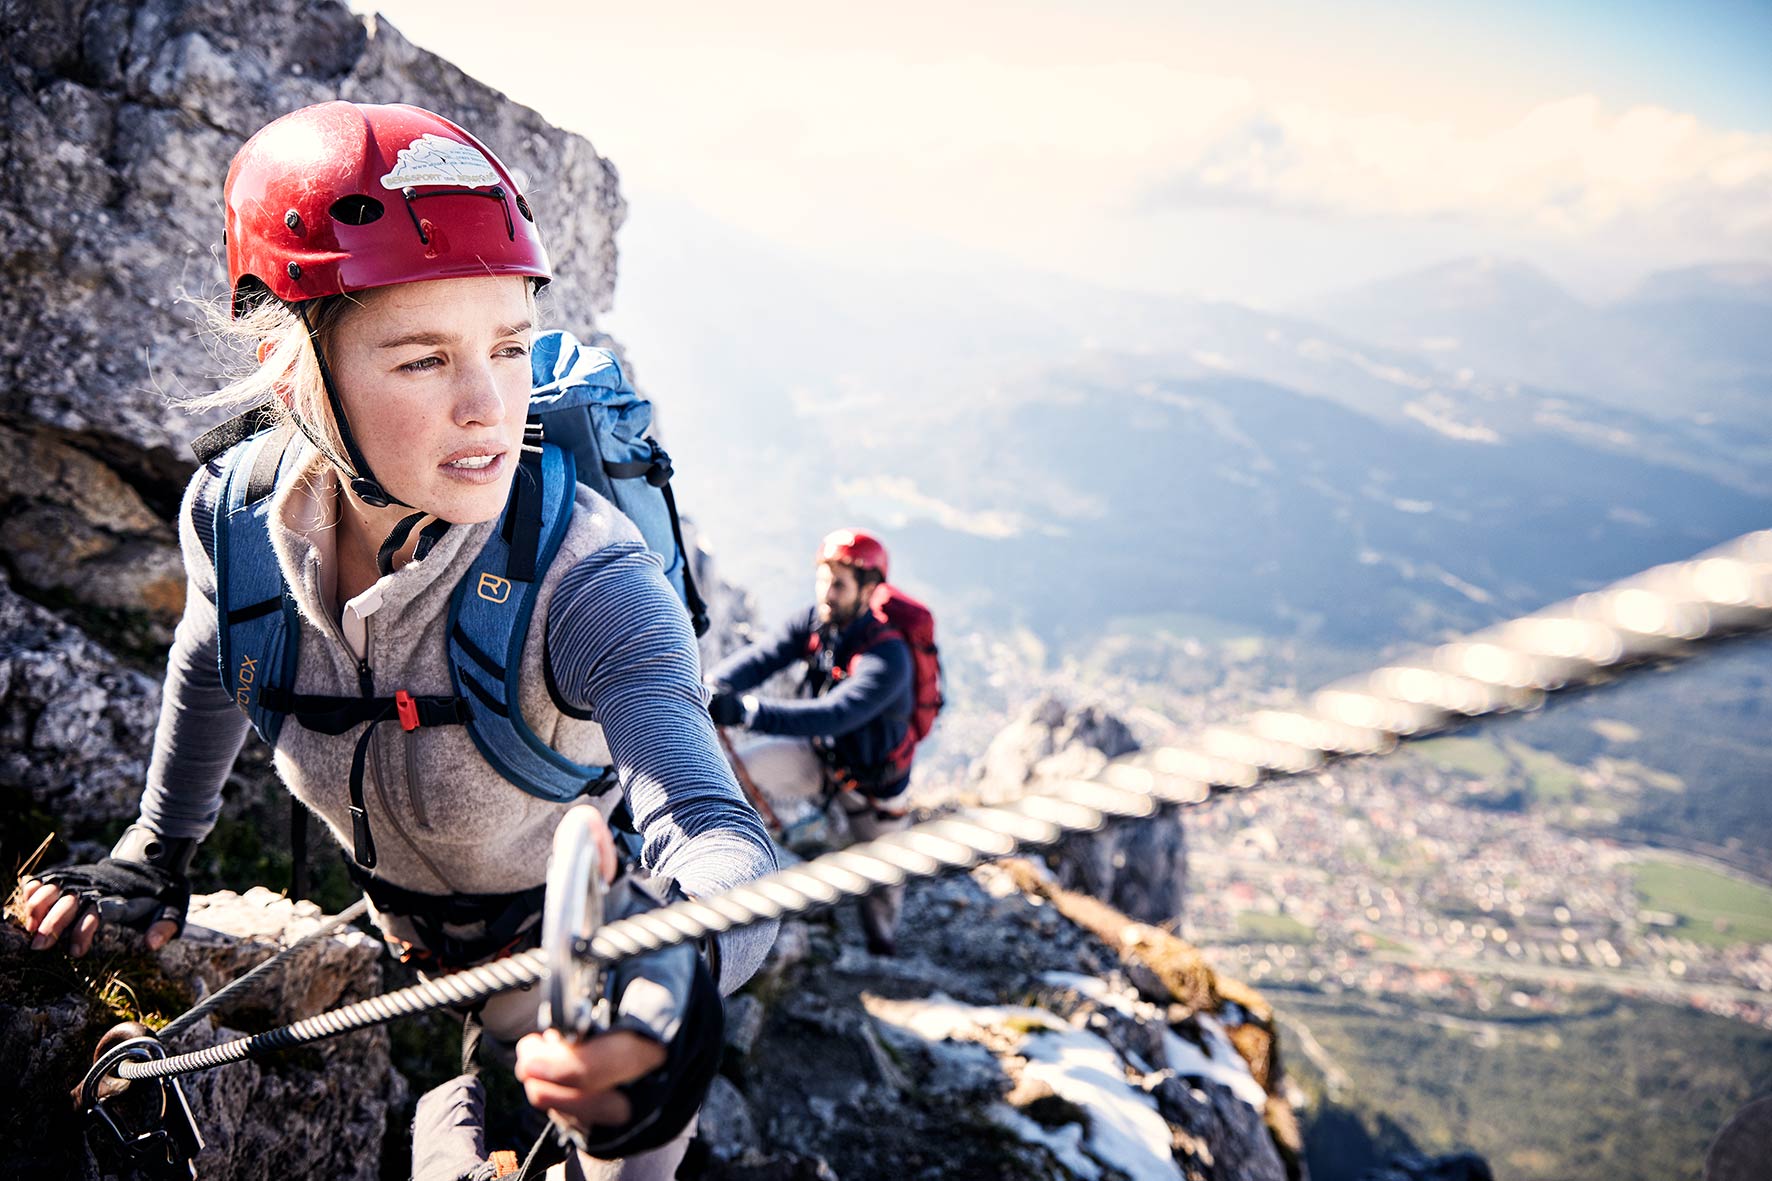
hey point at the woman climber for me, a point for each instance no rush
(375, 516)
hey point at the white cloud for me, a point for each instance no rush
(1566, 168)
(898, 501)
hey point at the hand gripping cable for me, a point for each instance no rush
(1666, 614)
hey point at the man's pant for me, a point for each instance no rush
(792, 777)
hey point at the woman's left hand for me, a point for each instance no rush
(578, 1079)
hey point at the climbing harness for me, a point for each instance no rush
(1663, 615)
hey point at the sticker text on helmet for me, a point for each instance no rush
(434, 160)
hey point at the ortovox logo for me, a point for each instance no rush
(494, 589)
(243, 681)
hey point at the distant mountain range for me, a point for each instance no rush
(1054, 454)
(1689, 344)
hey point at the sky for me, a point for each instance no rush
(795, 171)
(1266, 155)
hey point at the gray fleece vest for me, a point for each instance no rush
(444, 821)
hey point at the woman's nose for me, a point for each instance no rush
(477, 398)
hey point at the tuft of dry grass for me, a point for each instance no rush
(15, 901)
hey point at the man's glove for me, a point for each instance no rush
(143, 881)
(727, 709)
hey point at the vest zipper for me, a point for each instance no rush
(412, 796)
(366, 681)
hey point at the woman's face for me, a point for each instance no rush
(434, 377)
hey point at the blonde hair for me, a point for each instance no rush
(273, 364)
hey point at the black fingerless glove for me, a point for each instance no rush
(664, 1101)
(142, 882)
(727, 709)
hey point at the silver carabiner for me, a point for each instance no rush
(572, 980)
(147, 1121)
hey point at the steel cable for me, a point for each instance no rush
(234, 987)
(1663, 614)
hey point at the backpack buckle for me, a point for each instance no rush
(659, 474)
(407, 710)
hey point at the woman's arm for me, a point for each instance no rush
(199, 734)
(201, 730)
(620, 646)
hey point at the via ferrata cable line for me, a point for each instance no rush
(1665, 614)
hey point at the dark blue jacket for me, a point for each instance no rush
(855, 720)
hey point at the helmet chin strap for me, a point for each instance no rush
(362, 480)
(356, 471)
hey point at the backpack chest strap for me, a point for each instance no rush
(330, 715)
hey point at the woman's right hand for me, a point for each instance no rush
(75, 901)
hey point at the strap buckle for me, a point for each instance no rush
(407, 710)
(147, 1121)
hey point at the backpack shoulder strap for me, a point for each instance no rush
(258, 634)
(489, 618)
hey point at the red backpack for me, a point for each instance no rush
(909, 620)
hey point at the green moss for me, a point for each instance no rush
(135, 637)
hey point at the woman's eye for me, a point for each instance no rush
(514, 350)
(420, 365)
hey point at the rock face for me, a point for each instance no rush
(119, 123)
(75, 724)
(120, 120)
(1018, 1033)
(321, 1112)
(1138, 867)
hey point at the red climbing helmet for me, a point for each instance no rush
(852, 547)
(345, 196)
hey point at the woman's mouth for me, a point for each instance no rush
(473, 466)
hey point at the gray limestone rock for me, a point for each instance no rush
(1138, 867)
(75, 724)
(725, 1124)
(121, 121)
(311, 1112)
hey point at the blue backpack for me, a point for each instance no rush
(594, 426)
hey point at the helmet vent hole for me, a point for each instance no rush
(523, 208)
(356, 210)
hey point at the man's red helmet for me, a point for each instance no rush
(345, 196)
(852, 547)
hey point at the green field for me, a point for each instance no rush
(1553, 780)
(1275, 928)
(1625, 1091)
(1713, 908)
(1473, 756)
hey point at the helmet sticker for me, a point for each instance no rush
(434, 160)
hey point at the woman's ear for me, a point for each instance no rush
(282, 389)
